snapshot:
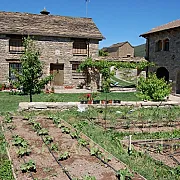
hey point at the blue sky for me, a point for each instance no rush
(118, 20)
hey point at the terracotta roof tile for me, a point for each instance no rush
(48, 25)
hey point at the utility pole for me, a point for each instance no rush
(87, 1)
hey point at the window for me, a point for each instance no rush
(166, 45)
(159, 45)
(15, 45)
(80, 47)
(75, 66)
(14, 67)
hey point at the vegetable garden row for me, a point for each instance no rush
(47, 148)
(132, 119)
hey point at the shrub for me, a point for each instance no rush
(152, 88)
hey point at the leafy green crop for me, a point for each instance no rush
(54, 147)
(87, 177)
(29, 166)
(82, 142)
(19, 141)
(63, 156)
(47, 139)
(65, 130)
(123, 174)
(23, 151)
(74, 134)
(42, 132)
(56, 120)
(8, 118)
(37, 126)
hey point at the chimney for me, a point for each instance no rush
(45, 12)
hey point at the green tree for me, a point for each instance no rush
(102, 53)
(152, 88)
(30, 77)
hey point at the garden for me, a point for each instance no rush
(95, 144)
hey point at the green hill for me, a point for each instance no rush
(139, 51)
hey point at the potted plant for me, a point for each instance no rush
(68, 86)
(117, 101)
(104, 102)
(83, 99)
(94, 97)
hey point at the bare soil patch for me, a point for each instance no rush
(123, 125)
(79, 164)
(166, 151)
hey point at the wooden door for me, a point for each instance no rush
(57, 70)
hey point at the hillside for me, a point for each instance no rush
(139, 51)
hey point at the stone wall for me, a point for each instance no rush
(53, 50)
(126, 50)
(168, 59)
(31, 106)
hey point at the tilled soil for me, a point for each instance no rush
(125, 126)
(79, 164)
(166, 151)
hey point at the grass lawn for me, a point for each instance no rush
(5, 165)
(123, 83)
(10, 102)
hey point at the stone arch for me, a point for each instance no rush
(162, 72)
(178, 82)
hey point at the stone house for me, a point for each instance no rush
(120, 50)
(163, 48)
(63, 43)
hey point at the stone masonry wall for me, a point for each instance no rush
(52, 50)
(168, 59)
(125, 50)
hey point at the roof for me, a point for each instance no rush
(48, 25)
(170, 25)
(116, 45)
(119, 44)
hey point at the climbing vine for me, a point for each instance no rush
(103, 68)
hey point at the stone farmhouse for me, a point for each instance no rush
(63, 43)
(120, 50)
(163, 48)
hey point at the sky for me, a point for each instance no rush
(118, 20)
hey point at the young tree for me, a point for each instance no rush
(152, 88)
(30, 78)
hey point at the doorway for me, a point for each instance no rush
(162, 72)
(57, 70)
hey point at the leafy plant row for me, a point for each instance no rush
(48, 140)
(23, 148)
(94, 150)
(110, 140)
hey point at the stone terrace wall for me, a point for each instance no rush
(29, 106)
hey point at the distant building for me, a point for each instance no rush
(64, 42)
(163, 48)
(120, 50)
